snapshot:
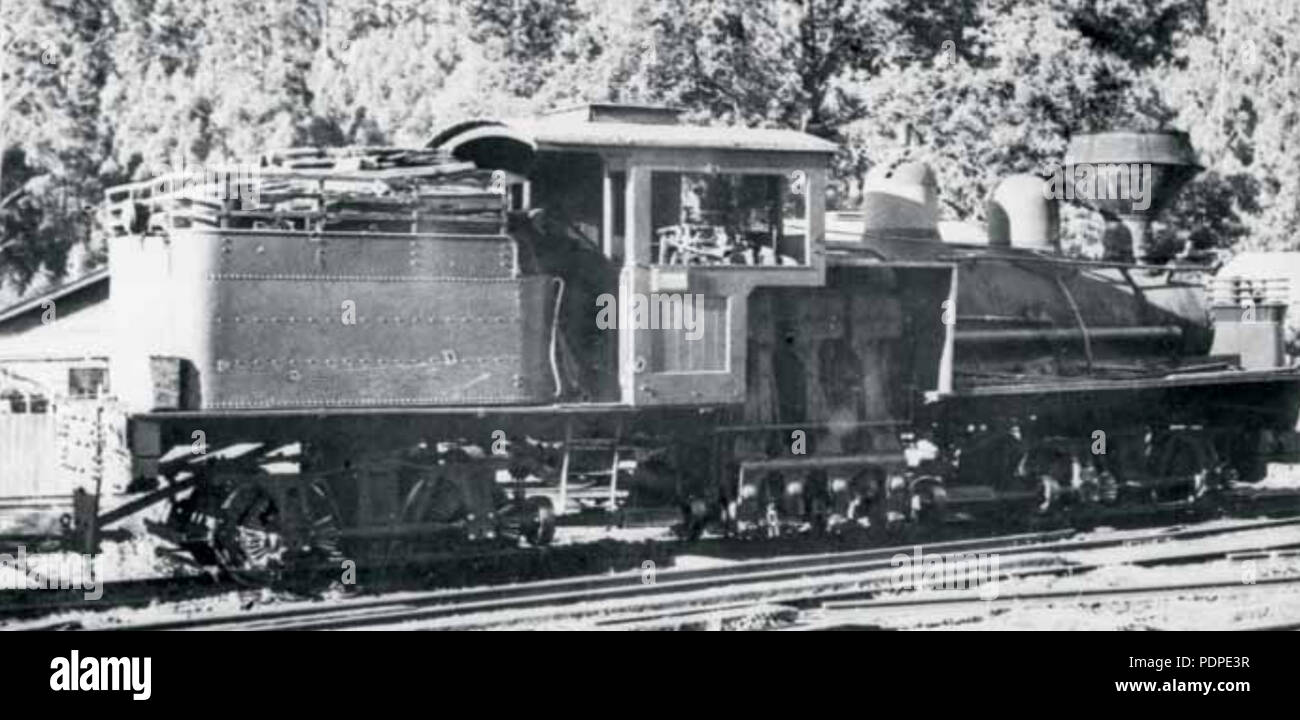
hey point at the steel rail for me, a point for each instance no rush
(581, 588)
(836, 614)
(1048, 595)
(666, 610)
(428, 606)
(726, 606)
(141, 592)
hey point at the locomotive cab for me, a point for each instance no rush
(687, 220)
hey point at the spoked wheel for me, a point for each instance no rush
(270, 531)
(399, 551)
(424, 503)
(455, 504)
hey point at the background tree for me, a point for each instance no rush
(1006, 95)
(94, 91)
(1234, 85)
(53, 57)
(792, 63)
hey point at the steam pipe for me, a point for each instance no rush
(1149, 332)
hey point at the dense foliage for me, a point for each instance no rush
(94, 91)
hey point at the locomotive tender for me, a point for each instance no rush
(407, 326)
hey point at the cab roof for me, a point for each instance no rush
(597, 127)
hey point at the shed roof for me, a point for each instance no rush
(27, 304)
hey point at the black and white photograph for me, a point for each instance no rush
(573, 315)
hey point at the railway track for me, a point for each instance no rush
(858, 610)
(792, 579)
(838, 614)
(577, 588)
(855, 609)
(444, 570)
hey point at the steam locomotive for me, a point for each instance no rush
(383, 350)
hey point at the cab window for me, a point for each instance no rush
(727, 219)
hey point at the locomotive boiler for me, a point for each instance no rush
(1078, 382)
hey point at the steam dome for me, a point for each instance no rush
(902, 199)
(1020, 215)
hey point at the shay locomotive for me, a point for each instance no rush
(379, 351)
